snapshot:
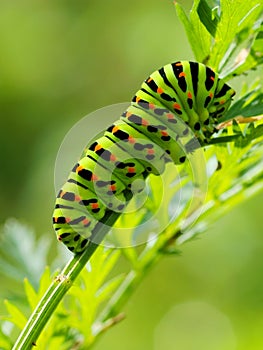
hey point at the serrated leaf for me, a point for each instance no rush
(195, 31)
(246, 54)
(91, 290)
(108, 265)
(258, 132)
(109, 288)
(236, 15)
(131, 255)
(44, 282)
(123, 233)
(31, 295)
(208, 15)
(236, 128)
(5, 342)
(16, 316)
(249, 105)
(19, 248)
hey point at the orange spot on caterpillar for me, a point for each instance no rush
(55, 219)
(77, 198)
(67, 220)
(159, 90)
(145, 122)
(179, 64)
(151, 106)
(94, 177)
(182, 74)
(62, 194)
(164, 133)
(212, 78)
(112, 158)
(112, 188)
(97, 148)
(222, 102)
(170, 116)
(85, 221)
(131, 139)
(150, 151)
(131, 170)
(176, 106)
(189, 95)
(138, 98)
(149, 80)
(211, 94)
(128, 114)
(115, 129)
(79, 168)
(94, 205)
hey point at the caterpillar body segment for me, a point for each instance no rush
(107, 153)
(150, 154)
(156, 131)
(174, 103)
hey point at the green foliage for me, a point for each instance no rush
(18, 249)
(72, 325)
(229, 34)
(248, 105)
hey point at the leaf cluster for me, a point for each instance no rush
(226, 35)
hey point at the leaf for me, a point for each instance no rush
(45, 281)
(5, 342)
(257, 132)
(244, 108)
(31, 295)
(198, 36)
(236, 15)
(108, 288)
(108, 263)
(16, 316)
(208, 14)
(19, 248)
(245, 54)
(226, 35)
(123, 233)
(236, 128)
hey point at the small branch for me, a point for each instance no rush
(148, 259)
(58, 288)
(133, 279)
(102, 327)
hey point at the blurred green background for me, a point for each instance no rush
(61, 60)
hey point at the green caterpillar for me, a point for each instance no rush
(147, 136)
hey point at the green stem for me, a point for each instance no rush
(58, 289)
(133, 279)
(151, 257)
(123, 293)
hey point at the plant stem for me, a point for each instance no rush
(134, 278)
(151, 257)
(123, 293)
(59, 288)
